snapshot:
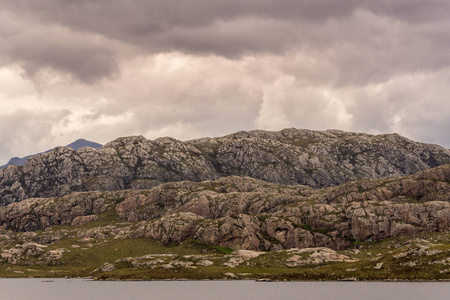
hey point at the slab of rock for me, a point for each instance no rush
(107, 267)
(248, 254)
(315, 256)
(82, 220)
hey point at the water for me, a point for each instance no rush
(71, 289)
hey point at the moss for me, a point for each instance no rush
(306, 227)
(268, 237)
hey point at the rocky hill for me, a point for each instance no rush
(245, 213)
(314, 158)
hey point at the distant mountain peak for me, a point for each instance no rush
(80, 143)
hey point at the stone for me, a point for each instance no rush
(248, 254)
(107, 267)
(82, 220)
(205, 263)
(379, 266)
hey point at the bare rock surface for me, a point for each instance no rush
(306, 256)
(243, 213)
(82, 220)
(291, 156)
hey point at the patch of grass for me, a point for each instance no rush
(418, 257)
(107, 218)
(203, 247)
(268, 238)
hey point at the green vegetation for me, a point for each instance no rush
(420, 257)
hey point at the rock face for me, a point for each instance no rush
(291, 156)
(245, 213)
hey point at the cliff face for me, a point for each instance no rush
(313, 158)
(245, 213)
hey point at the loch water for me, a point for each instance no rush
(74, 289)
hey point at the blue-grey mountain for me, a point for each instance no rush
(75, 146)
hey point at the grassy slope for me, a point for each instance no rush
(420, 257)
(416, 259)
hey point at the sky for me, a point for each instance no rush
(187, 69)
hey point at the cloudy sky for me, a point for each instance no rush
(187, 69)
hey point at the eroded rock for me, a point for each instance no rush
(291, 156)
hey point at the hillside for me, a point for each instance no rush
(176, 228)
(292, 156)
(245, 213)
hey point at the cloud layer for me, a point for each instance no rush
(103, 69)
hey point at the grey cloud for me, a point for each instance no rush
(34, 47)
(423, 127)
(412, 11)
(25, 132)
(119, 17)
(136, 20)
(413, 105)
(86, 64)
(160, 95)
(366, 40)
(288, 103)
(191, 26)
(157, 15)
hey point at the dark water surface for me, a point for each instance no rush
(70, 289)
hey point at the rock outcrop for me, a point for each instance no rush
(291, 156)
(245, 213)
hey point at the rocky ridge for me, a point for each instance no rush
(249, 214)
(314, 158)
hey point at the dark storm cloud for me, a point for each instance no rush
(148, 16)
(399, 38)
(34, 47)
(195, 26)
(139, 20)
(85, 61)
(412, 11)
